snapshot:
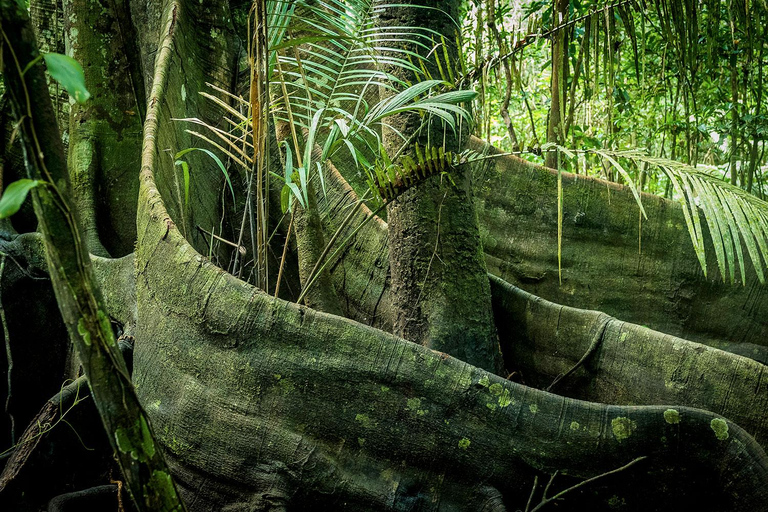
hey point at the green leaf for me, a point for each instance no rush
(288, 162)
(396, 102)
(297, 193)
(69, 73)
(14, 196)
(215, 159)
(285, 198)
(311, 136)
(185, 167)
(627, 178)
(454, 97)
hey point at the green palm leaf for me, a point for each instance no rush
(330, 53)
(736, 219)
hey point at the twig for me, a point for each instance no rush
(533, 491)
(240, 248)
(337, 251)
(330, 243)
(8, 354)
(545, 500)
(285, 251)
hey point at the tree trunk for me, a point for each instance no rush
(440, 286)
(556, 123)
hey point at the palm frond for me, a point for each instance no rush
(326, 56)
(736, 220)
(733, 216)
(332, 53)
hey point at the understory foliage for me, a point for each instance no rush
(331, 89)
(663, 96)
(331, 83)
(319, 81)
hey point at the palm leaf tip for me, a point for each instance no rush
(736, 220)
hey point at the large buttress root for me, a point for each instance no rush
(626, 363)
(236, 381)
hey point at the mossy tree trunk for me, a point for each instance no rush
(440, 288)
(262, 404)
(67, 252)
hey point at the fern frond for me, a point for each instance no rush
(387, 180)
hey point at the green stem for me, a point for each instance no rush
(337, 251)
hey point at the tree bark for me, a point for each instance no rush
(148, 478)
(603, 359)
(439, 283)
(558, 83)
(105, 132)
(264, 404)
(313, 408)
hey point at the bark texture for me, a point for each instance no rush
(625, 363)
(661, 285)
(79, 299)
(105, 133)
(262, 403)
(439, 283)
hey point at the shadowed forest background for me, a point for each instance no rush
(391, 256)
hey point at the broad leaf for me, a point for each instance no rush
(69, 73)
(14, 196)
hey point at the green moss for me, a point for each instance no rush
(137, 442)
(533, 408)
(505, 399)
(123, 441)
(106, 326)
(496, 389)
(365, 421)
(671, 416)
(160, 486)
(622, 428)
(464, 443)
(414, 404)
(287, 386)
(575, 425)
(177, 445)
(720, 428)
(147, 443)
(83, 331)
(484, 381)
